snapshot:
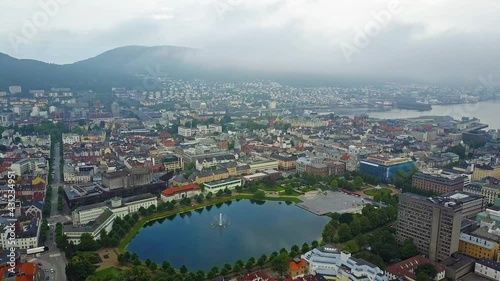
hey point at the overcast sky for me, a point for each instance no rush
(432, 40)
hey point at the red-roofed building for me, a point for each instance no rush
(297, 268)
(405, 269)
(165, 135)
(181, 192)
(255, 276)
(23, 272)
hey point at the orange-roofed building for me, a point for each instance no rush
(181, 192)
(23, 272)
(297, 268)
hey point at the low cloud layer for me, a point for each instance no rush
(423, 40)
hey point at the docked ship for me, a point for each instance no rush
(412, 104)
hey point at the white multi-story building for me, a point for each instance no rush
(203, 129)
(215, 128)
(329, 261)
(15, 89)
(215, 186)
(26, 239)
(26, 165)
(103, 222)
(70, 138)
(118, 206)
(185, 132)
(488, 268)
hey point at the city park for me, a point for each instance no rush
(367, 234)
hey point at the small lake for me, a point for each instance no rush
(255, 228)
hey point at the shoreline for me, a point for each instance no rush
(122, 246)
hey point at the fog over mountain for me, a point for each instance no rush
(437, 41)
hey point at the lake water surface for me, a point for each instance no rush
(255, 229)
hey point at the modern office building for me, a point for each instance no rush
(119, 206)
(215, 186)
(433, 224)
(340, 265)
(437, 183)
(385, 168)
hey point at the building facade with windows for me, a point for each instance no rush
(433, 224)
(332, 263)
(437, 183)
(478, 247)
(487, 268)
(385, 168)
(181, 192)
(215, 186)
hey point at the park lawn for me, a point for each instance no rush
(373, 191)
(294, 193)
(272, 188)
(108, 272)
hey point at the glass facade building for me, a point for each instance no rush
(385, 168)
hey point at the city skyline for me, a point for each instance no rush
(377, 39)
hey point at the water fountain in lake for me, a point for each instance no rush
(220, 222)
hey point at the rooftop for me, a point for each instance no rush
(226, 181)
(489, 263)
(405, 268)
(174, 190)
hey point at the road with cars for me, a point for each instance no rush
(53, 262)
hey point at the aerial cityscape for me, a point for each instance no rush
(125, 157)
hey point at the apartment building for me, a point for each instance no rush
(477, 247)
(488, 268)
(286, 162)
(490, 190)
(432, 224)
(484, 171)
